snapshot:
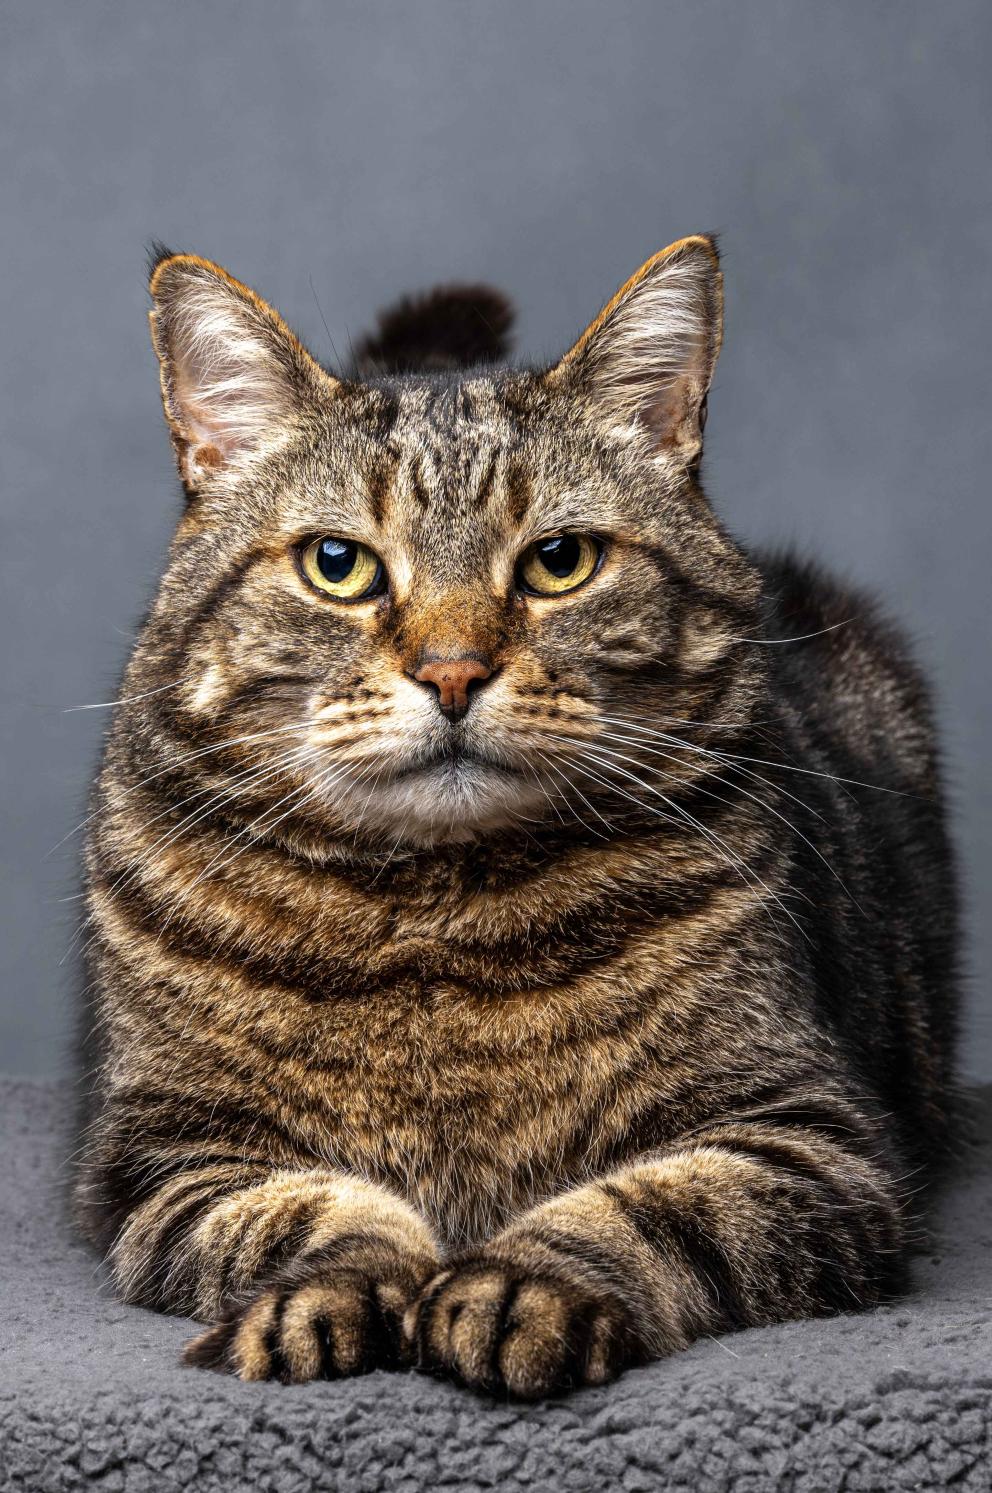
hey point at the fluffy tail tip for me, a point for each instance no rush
(453, 326)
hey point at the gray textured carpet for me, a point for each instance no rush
(92, 1394)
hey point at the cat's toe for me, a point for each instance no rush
(503, 1331)
(327, 1329)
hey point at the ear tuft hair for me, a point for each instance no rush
(453, 326)
(156, 252)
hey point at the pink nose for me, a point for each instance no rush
(451, 678)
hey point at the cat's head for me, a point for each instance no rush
(433, 606)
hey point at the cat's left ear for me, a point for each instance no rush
(234, 377)
(644, 366)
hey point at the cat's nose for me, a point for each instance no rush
(453, 678)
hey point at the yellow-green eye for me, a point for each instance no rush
(552, 566)
(343, 568)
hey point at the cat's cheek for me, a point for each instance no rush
(704, 640)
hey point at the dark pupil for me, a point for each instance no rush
(561, 555)
(336, 559)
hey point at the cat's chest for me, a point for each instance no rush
(477, 1081)
(476, 1047)
(473, 1109)
(439, 935)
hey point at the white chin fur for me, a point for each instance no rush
(447, 803)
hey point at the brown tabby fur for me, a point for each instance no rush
(503, 1066)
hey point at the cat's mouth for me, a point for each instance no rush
(452, 759)
(447, 792)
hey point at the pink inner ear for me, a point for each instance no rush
(669, 411)
(230, 385)
(206, 432)
(223, 409)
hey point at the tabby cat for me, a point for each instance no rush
(522, 921)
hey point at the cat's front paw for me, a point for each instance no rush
(322, 1318)
(503, 1328)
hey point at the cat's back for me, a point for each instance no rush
(844, 676)
(853, 729)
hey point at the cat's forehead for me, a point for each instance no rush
(456, 472)
(452, 452)
(450, 421)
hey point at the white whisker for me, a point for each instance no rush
(737, 788)
(571, 807)
(801, 637)
(762, 761)
(172, 765)
(722, 759)
(124, 699)
(728, 853)
(299, 795)
(257, 774)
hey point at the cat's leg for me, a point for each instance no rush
(305, 1273)
(744, 1224)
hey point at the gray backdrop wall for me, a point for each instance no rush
(842, 150)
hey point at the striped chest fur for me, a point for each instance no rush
(476, 1029)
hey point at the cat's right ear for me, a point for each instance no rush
(235, 380)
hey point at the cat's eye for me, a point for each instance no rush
(559, 564)
(343, 568)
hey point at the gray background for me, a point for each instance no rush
(842, 150)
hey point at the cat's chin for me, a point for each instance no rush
(446, 803)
